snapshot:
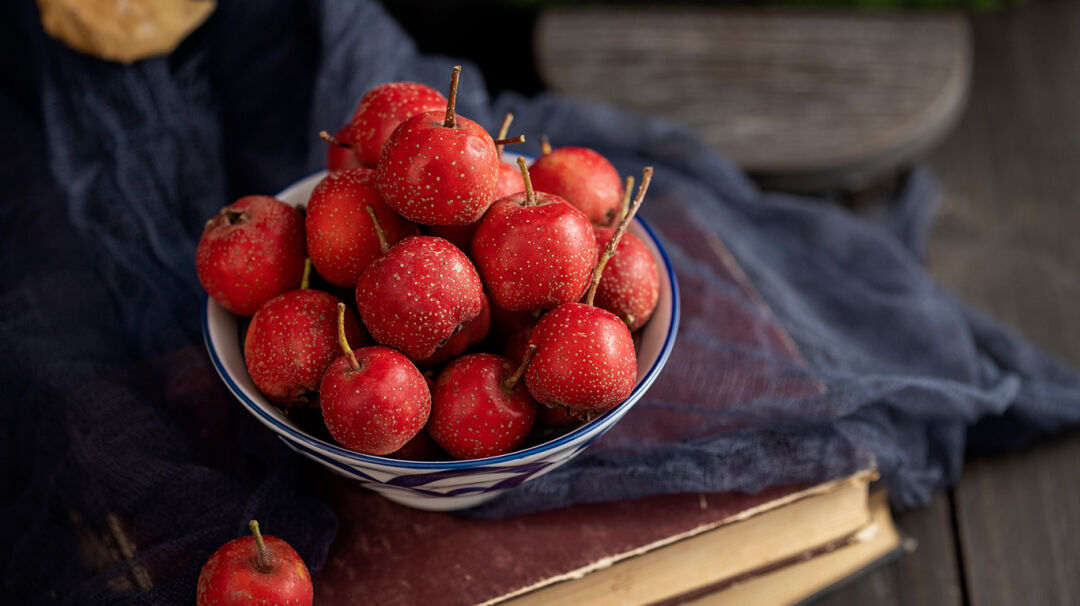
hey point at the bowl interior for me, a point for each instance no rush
(223, 340)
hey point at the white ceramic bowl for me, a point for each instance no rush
(442, 485)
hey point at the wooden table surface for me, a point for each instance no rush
(1005, 239)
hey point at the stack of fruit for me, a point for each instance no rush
(446, 249)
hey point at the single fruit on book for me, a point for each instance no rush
(341, 156)
(439, 169)
(479, 408)
(534, 251)
(256, 569)
(381, 110)
(418, 295)
(250, 252)
(374, 400)
(291, 341)
(630, 283)
(583, 178)
(341, 237)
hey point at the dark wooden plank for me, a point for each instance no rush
(928, 576)
(806, 100)
(1019, 520)
(1006, 240)
(1006, 232)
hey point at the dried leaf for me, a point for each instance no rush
(123, 30)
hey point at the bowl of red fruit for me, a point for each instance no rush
(432, 326)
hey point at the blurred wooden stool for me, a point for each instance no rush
(803, 101)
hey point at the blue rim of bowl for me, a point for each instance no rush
(635, 395)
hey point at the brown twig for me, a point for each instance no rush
(451, 99)
(609, 250)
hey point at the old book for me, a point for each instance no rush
(806, 579)
(640, 551)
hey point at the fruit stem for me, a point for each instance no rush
(325, 136)
(545, 145)
(379, 233)
(511, 382)
(451, 99)
(499, 143)
(505, 128)
(626, 196)
(305, 281)
(609, 250)
(341, 337)
(262, 560)
(530, 195)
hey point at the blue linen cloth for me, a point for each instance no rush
(120, 439)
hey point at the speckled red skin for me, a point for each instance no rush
(250, 252)
(470, 334)
(338, 157)
(583, 178)
(230, 577)
(290, 342)
(472, 416)
(434, 175)
(459, 235)
(630, 284)
(510, 180)
(341, 239)
(377, 408)
(417, 295)
(585, 359)
(381, 110)
(534, 257)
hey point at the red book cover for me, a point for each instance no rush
(391, 555)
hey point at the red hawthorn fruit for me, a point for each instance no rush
(250, 252)
(339, 157)
(439, 169)
(630, 283)
(381, 110)
(417, 295)
(585, 359)
(256, 569)
(374, 400)
(534, 251)
(477, 411)
(583, 178)
(341, 238)
(290, 342)
(470, 334)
